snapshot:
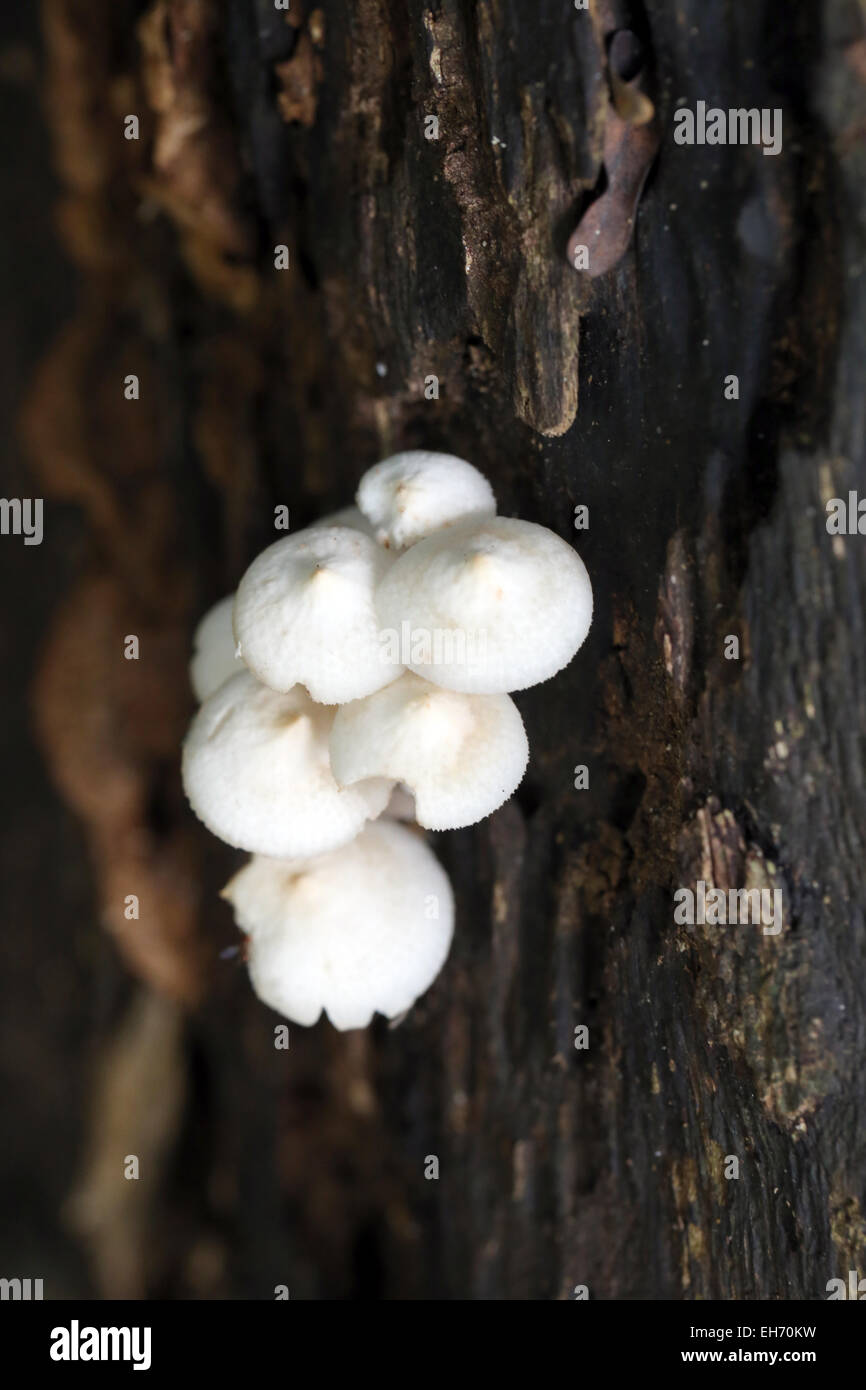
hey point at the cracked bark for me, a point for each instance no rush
(410, 258)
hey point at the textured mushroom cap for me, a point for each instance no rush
(365, 929)
(512, 599)
(304, 614)
(213, 650)
(460, 755)
(256, 771)
(413, 494)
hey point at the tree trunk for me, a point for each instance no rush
(430, 300)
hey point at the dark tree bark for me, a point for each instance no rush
(413, 257)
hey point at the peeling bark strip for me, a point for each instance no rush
(631, 142)
(414, 256)
(196, 170)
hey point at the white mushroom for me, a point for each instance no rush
(304, 614)
(488, 606)
(214, 656)
(361, 931)
(256, 771)
(413, 494)
(461, 756)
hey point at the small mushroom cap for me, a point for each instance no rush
(361, 931)
(256, 771)
(461, 756)
(214, 656)
(304, 614)
(517, 595)
(413, 494)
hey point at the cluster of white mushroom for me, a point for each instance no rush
(362, 670)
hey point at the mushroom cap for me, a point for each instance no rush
(460, 755)
(214, 656)
(413, 494)
(256, 772)
(511, 600)
(304, 614)
(365, 929)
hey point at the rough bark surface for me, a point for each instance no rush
(413, 257)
